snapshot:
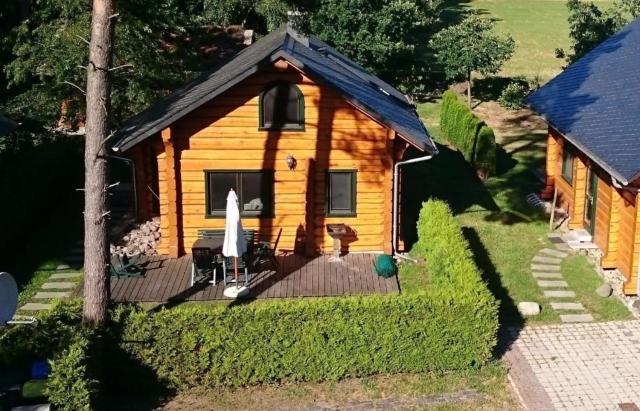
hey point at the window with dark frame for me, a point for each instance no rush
(567, 164)
(281, 107)
(341, 193)
(253, 188)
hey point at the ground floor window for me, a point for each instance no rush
(567, 164)
(254, 190)
(341, 192)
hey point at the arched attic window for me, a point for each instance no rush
(281, 107)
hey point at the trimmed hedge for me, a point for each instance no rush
(485, 156)
(311, 340)
(467, 133)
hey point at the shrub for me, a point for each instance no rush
(448, 258)
(485, 153)
(70, 386)
(310, 340)
(458, 124)
(512, 96)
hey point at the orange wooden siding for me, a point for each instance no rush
(224, 135)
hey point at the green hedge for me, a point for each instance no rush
(467, 133)
(485, 155)
(449, 260)
(311, 340)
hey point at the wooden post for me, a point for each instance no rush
(172, 192)
(553, 208)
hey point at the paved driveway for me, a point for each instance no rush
(594, 366)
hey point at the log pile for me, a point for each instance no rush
(143, 239)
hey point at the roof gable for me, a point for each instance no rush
(595, 103)
(310, 55)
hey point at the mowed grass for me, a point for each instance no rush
(538, 27)
(582, 279)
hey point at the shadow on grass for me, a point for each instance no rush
(508, 315)
(128, 383)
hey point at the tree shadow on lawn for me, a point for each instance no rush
(449, 177)
(508, 315)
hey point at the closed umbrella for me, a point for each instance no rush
(235, 245)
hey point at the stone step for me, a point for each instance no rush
(45, 295)
(35, 307)
(580, 235)
(542, 274)
(546, 260)
(553, 253)
(552, 284)
(62, 276)
(563, 247)
(545, 267)
(559, 294)
(567, 306)
(576, 245)
(63, 267)
(60, 285)
(576, 318)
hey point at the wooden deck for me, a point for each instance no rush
(168, 279)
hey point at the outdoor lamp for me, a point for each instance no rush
(291, 162)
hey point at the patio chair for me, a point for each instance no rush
(125, 266)
(266, 252)
(202, 266)
(228, 270)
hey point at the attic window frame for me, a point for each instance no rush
(299, 126)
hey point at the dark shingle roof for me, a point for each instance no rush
(367, 92)
(595, 103)
(7, 125)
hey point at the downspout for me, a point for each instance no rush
(132, 164)
(617, 185)
(396, 172)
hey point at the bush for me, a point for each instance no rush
(459, 126)
(486, 150)
(311, 340)
(449, 260)
(512, 96)
(70, 386)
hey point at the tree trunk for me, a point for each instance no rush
(469, 89)
(96, 247)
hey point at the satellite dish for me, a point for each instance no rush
(8, 298)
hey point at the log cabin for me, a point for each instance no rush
(305, 136)
(593, 150)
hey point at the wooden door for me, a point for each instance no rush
(590, 201)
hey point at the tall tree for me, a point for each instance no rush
(472, 46)
(96, 246)
(589, 25)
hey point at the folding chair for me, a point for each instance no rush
(202, 266)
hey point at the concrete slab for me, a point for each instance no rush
(542, 274)
(552, 284)
(576, 318)
(545, 267)
(559, 294)
(45, 295)
(61, 285)
(553, 253)
(546, 260)
(63, 276)
(567, 306)
(35, 307)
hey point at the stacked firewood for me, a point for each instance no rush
(143, 239)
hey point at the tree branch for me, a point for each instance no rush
(121, 67)
(76, 86)
(83, 39)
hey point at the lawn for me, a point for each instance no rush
(538, 27)
(504, 232)
(490, 381)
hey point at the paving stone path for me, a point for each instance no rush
(593, 366)
(545, 268)
(59, 285)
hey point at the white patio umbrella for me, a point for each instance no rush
(235, 245)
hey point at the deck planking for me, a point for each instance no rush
(168, 279)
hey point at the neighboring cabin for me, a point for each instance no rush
(305, 136)
(593, 149)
